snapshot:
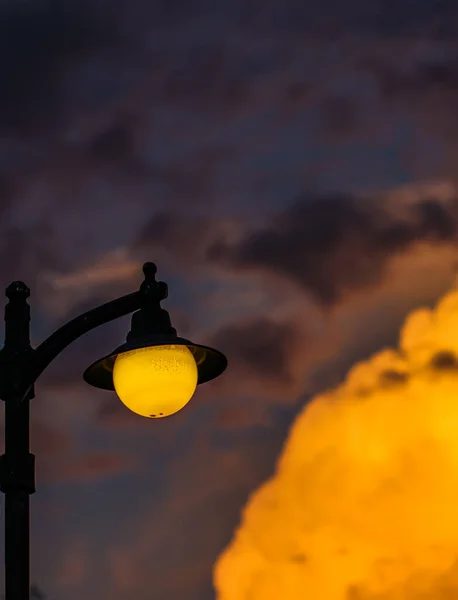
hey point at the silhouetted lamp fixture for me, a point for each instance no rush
(155, 373)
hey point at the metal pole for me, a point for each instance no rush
(17, 465)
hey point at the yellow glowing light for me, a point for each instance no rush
(157, 381)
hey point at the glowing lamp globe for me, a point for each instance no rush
(155, 381)
(157, 375)
(155, 372)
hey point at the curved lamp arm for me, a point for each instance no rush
(151, 291)
(53, 345)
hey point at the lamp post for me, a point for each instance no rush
(154, 372)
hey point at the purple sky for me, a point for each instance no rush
(290, 167)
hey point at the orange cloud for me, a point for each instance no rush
(366, 486)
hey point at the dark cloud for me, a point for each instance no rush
(412, 77)
(339, 117)
(8, 190)
(213, 77)
(442, 75)
(59, 459)
(24, 252)
(444, 360)
(184, 237)
(89, 467)
(39, 43)
(397, 18)
(423, 86)
(259, 348)
(392, 377)
(236, 417)
(49, 440)
(116, 143)
(335, 244)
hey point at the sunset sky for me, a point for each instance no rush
(291, 168)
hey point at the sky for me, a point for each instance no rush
(291, 169)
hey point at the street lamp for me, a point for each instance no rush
(154, 373)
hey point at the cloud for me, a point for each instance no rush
(110, 86)
(176, 234)
(115, 144)
(58, 459)
(236, 417)
(339, 117)
(40, 43)
(214, 76)
(108, 271)
(88, 468)
(357, 460)
(259, 348)
(419, 84)
(331, 245)
(72, 564)
(416, 78)
(108, 82)
(48, 440)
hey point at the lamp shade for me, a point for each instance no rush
(210, 362)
